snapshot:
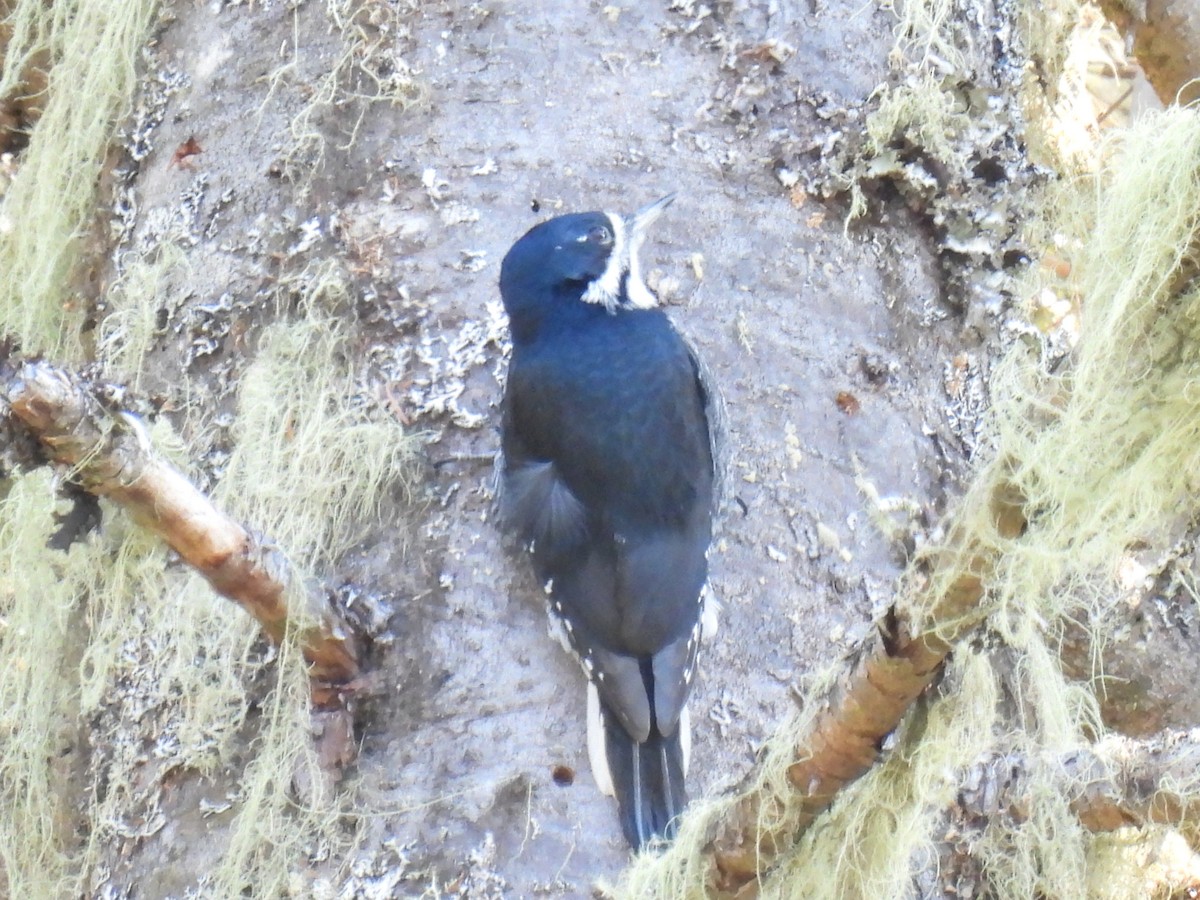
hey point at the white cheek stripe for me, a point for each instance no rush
(606, 290)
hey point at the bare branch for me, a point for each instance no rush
(864, 706)
(110, 456)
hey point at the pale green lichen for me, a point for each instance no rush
(122, 666)
(1105, 451)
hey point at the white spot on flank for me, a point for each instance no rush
(554, 626)
(548, 587)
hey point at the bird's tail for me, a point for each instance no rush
(647, 778)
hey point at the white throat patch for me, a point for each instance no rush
(606, 290)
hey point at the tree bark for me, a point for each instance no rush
(1166, 42)
(110, 456)
(1118, 782)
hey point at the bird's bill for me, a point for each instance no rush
(645, 217)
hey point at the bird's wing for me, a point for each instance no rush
(536, 504)
(718, 424)
(625, 568)
(671, 688)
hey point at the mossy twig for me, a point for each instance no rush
(110, 456)
(861, 708)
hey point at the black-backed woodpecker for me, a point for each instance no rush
(608, 480)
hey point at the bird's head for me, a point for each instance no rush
(590, 257)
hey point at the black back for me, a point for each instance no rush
(608, 478)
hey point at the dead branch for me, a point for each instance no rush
(110, 456)
(1119, 783)
(864, 706)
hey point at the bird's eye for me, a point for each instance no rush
(600, 235)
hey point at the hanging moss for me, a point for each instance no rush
(1104, 449)
(92, 47)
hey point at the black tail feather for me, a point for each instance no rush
(648, 780)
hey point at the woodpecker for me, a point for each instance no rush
(607, 479)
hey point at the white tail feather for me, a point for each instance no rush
(597, 745)
(685, 737)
